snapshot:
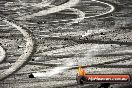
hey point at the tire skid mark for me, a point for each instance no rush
(81, 16)
(79, 13)
(2, 54)
(64, 6)
(115, 61)
(24, 57)
(82, 41)
(39, 80)
(108, 12)
(108, 64)
(40, 5)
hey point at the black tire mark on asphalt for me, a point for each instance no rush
(117, 7)
(115, 61)
(31, 63)
(55, 2)
(118, 54)
(104, 64)
(82, 41)
(107, 64)
(111, 66)
(34, 80)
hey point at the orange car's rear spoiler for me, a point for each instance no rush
(81, 71)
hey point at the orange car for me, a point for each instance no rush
(82, 77)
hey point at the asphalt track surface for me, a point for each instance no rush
(81, 16)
